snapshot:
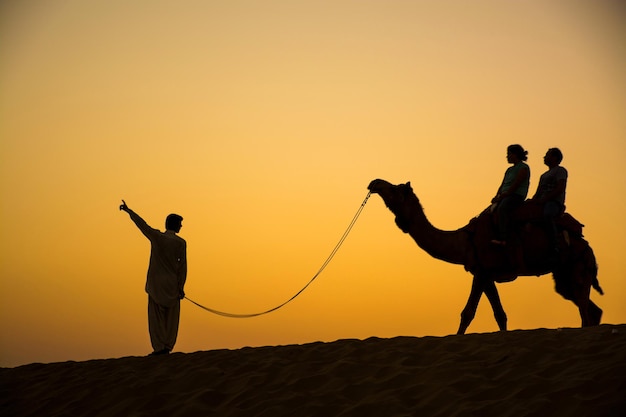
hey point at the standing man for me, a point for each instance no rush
(167, 274)
(551, 191)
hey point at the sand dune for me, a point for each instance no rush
(565, 372)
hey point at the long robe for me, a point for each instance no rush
(167, 273)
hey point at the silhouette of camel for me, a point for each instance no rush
(574, 274)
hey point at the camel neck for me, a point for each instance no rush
(450, 246)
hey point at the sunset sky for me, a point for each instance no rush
(262, 123)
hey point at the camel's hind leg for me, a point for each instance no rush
(574, 284)
(583, 309)
(590, 279)
(595, 314)
(590, 313)
(567, 285)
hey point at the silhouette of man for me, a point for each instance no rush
(167, 273)
(551, 191)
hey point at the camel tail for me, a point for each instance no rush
(592, 267)
(596, 286)
(594, 282)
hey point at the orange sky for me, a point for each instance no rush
(262, 123)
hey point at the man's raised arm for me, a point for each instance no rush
(141, 223)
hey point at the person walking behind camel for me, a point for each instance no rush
(167, 273)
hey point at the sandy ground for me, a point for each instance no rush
(544, 372)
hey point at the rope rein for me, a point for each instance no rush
(324, 265)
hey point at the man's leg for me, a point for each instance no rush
(157, 320)
(550, 210)
(505, 208)
(171, 325)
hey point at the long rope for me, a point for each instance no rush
(324, 265)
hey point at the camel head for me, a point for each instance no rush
(397, 199)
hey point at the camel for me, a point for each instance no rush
(574, 270)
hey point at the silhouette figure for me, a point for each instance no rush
(512, 192)
(551, 192)
(470, 246)
(167, 273)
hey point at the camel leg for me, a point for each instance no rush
(583, 309)
(595, 314)
(583, 302)
(568, 285)
(491, 291)
(590, 313)
(468, 313)
(587, 312)
(581, 277)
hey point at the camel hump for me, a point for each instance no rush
(569, 223)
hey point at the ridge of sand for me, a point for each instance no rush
(543, 372)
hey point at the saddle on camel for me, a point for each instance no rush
(530, 238)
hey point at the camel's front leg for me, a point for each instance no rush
(494, 299)
(468, 313)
